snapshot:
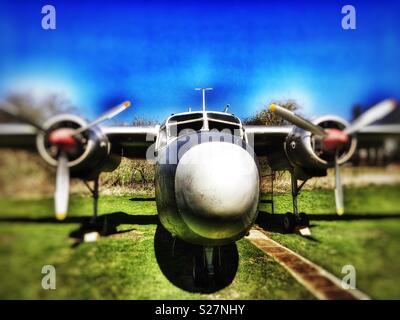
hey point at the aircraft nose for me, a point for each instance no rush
(217, 189)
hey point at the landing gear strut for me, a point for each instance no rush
(95, 228)
(95, 195)
(295, 220)
(208, 267)
(209, 254)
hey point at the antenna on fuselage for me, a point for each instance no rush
(227, 108)
(203, 90)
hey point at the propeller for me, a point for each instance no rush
(338, 188)
(61, 194)
(64, 141)
(334, 139)
(297, 120)
(105, 116)
(377, 112)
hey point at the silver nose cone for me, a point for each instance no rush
(217, 189)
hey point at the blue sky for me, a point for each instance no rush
(155, 53)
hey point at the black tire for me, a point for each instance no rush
(289, 222)
(199, 272)
(195, 272)
(304, 220)
(220, 268)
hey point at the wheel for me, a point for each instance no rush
(220, 268)
(304, 220)
(199, 272)
(289, 222)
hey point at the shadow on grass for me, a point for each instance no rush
(176, 262)
(142, 199)
(350, 217)
(115, 218)
(274, 222)
(177, 267)
(107, 224)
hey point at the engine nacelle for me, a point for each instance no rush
(305, 151)
(92, 155)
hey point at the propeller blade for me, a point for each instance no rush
(61, 195)
(297, 120)
(11, 110)
(338, 189)
(373, 114)
(105, 116)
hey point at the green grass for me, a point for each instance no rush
(124, 265)
(370, 244)
(120, 266)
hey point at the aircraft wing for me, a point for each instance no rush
(379, 131)
(375, 135)
(18, 136)
(134, 141)
(265, 139)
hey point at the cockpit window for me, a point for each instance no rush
(186, 117)
(223, 117)
(224, 122)
(195, 121)
(182, 123)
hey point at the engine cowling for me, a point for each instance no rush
(92, 154)
(304, 150)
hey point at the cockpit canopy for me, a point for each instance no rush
(183, 123)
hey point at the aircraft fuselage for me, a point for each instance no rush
(207, 187)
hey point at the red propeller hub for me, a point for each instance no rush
(335, 138)
(63, 138)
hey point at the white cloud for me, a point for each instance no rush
(40, 88)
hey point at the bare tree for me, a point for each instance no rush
(38, 111)
(264, 117)
(141, 121)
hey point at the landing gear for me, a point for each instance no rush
(95, 195)
(289, 222)
(295, 220)
(304, 220)
(173, 246)
(199, 273)
(208, 267)
(95, 227)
